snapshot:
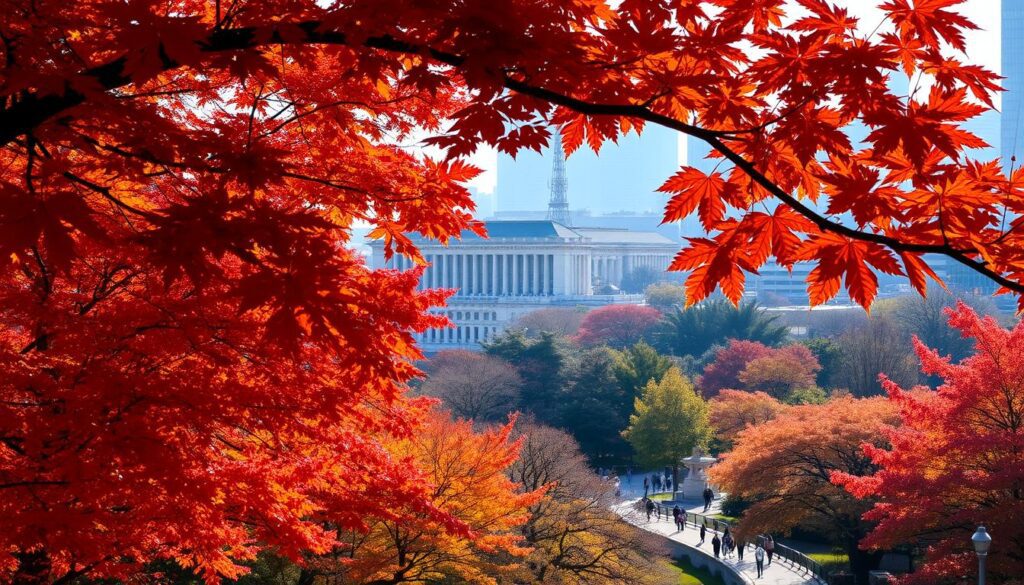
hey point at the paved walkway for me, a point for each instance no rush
(778, 573)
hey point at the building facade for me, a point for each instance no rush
(1012, 69)
(523, 266)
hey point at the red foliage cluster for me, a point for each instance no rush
(755, 366)
(956, 460)
(617, 325)
(724, 371)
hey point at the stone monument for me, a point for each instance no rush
(692, 488)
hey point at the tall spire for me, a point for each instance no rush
(558, 206)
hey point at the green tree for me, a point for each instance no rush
(636, 366)
(509, 346)
(668, 421)
(542, 365)
(695, 330)
(829, 354)
(593, 407)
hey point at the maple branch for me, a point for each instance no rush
(33, 109)
(105, 192)
(712, 138)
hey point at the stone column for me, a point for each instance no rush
(494, 275)
(529, 273)
(463, 278)
(514, 280)
(521, 274)
(539, 274)
(588, 277)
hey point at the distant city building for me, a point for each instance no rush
(1012, 69)
(641, 222)
(524, 266)
(484, 203)
(625, 177)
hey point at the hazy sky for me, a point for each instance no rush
(983, 49)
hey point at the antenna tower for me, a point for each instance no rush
(558, 206)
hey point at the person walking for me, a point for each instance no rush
(740, 545)
(709, 496)
(647, 485)
(703, 533)
(769, 548)
(650, 508)
(759, 560)
(727, 545)
(656, 483)
(668, 484)
(716, 545)
(676, 511)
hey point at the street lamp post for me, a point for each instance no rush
(981, 541)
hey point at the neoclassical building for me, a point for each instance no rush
(526, 265)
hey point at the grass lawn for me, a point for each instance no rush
(690, 575)
(660, 497)
(831, 560)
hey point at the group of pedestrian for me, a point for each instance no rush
(726, 546)
(762, 551)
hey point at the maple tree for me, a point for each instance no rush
(730, 361)
(782, 372)
(198, 365)
(617, 326)
(785, 467)
(956, 459)
(467, 476)
(731, 411)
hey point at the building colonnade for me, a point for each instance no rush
(503, 274)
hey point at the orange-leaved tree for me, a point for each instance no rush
(957, 459)
(185, 326)
(731, 411)
(467, 476)
(785, 468)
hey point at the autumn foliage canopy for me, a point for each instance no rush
(956, 459)
(197, 365)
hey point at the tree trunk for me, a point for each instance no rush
(862, 561)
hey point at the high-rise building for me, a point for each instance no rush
(1012, 69)
(625, 177)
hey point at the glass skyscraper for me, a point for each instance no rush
(1012, 63)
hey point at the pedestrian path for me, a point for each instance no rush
(777, 573)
